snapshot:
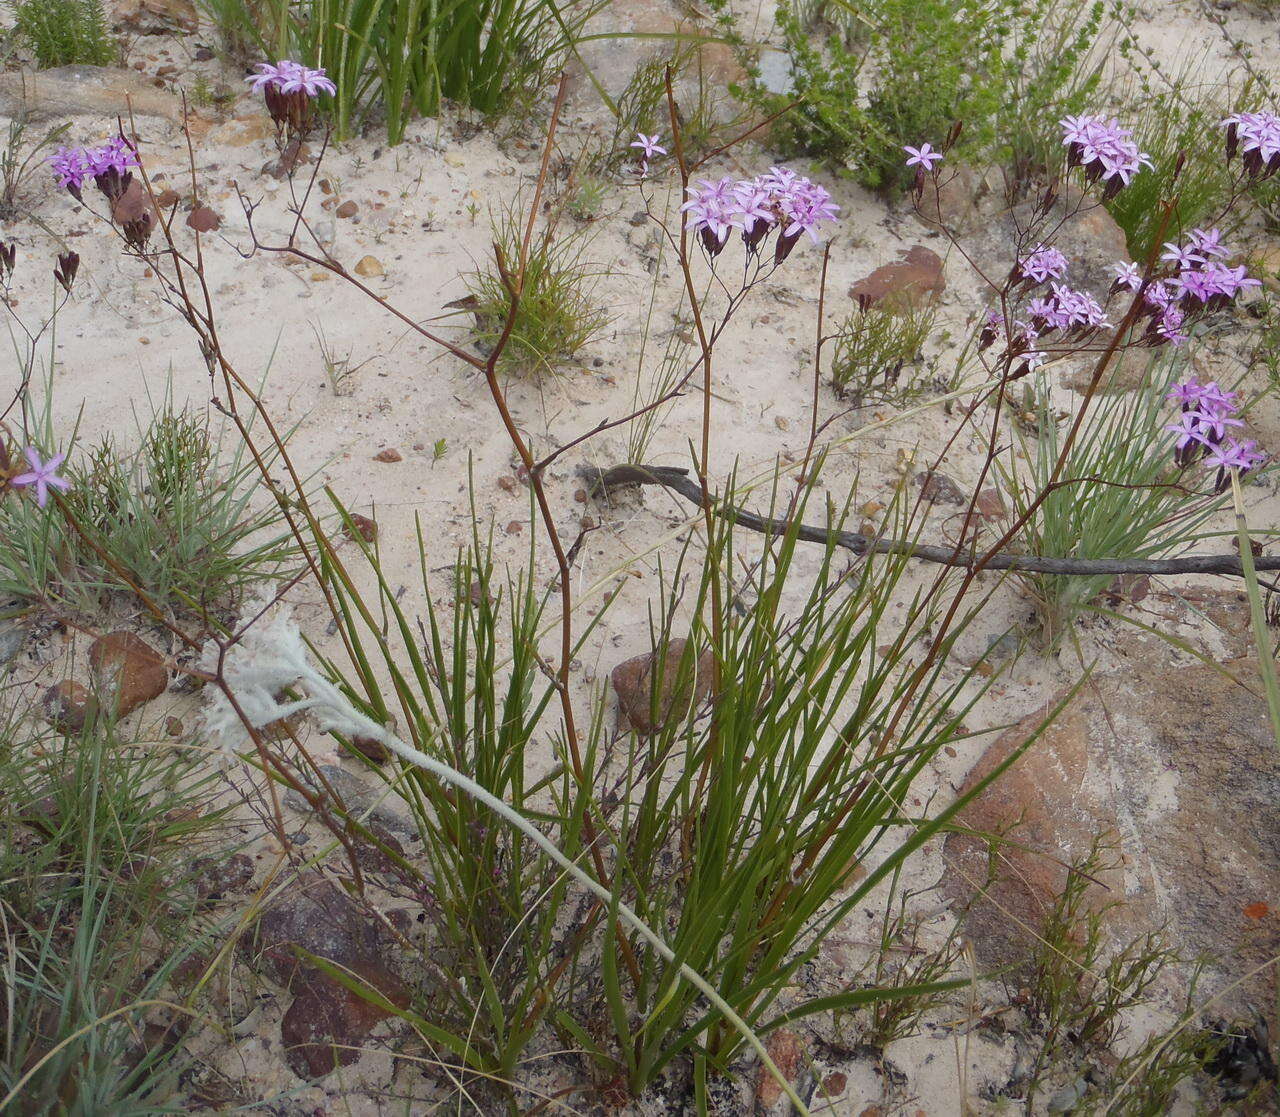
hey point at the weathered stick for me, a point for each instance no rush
(679, 481)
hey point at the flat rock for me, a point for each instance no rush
(1189, 789)
(84, 91)
(1127, 372)
(909, 282)
(633, 682)
(327, 1021)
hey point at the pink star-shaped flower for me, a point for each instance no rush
(43, 475)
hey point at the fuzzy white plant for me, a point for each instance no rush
(271, 656)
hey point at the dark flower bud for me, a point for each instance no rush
(137, 231)
(65, 272)
(710, 242)
(8, 258)
(784, 246)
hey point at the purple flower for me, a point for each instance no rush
(1257, 136)
(1183, 257)
(1127, 275)
(649, 147)
(72, 166)
(116, 155)
(43, 475)
(1043, 264)
(805, 206)
(1188, 430)
(713, 210)
(1214, 423)
(923, 157)
(1208, 242)
(1078, 309)
(291, 77)
(1170, 326)
(1104, 149)
(1158, 295)
(1230, 454)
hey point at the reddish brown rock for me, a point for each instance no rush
(633, 682)
(371, 749)
(348, 209)
(1190, 789)
(787, 1050)
(909, 282)
(68, 706)
(361, 526)
(387, 456)
(127, 666)
(327, 1022)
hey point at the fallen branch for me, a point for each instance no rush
(679, 481)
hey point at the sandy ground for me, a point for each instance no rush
(423, 214)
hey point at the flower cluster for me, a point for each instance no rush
(1043, 264)
(1105, 150)
(1208, 412)
(779, 199)
(1076, 314)
(1200, 280)
(1256, 135)
(289, 88)
(110, 166)
(1068, 310)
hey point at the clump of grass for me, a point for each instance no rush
(557, 314)
(872, 349)
(1123, 494)
(172, 520)
(99, 909)
(65, 32)
(18, 159)
(393, 60)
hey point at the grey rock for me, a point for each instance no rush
(365, 799)
(84, 91)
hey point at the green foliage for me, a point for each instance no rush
(735, 838)
(897, 72)
(1176, 123)
(19, 158)
(100, 906)
(873, 347)
(65, 32)
(556, 314)
(1123, 495)
(172, 519)
(395, 59)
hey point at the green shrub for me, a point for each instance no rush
(1125, 496)
(902, 72)
(1171, 121)
(65, 32)
(872, 349)
(97, 887)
